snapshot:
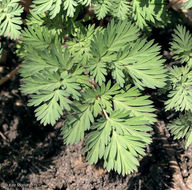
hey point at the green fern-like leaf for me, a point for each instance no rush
(121, 136)
(34, 38)
(141, 11)
(54, 6)
(188, 4)
(41, 81)
(102, 8)
(61, 25)
(104, 44)
(41, 6)
(38, 37)
(120, 9)
(144, 65)
(10, 20)
(181, 44)
(93, 102)
(85, 2)
(100, 98)
(70, 5)
(80, 47)
(77, 123)
(130, 100)
(151, 11)
(118, 49)
(52, 79)
(181, 93)
(97, 140)
(51, 105)
(35, 20)
(119, 141)
(181, 128)
(42, 60)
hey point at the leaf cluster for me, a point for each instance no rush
(181, 93)
(181, 128)
(151, 11)
(119, 137)
(73, 79)
(96, 75)
(55, 6)
(53, 77)
(180, 78)
(181, 44)
(114, 50)
(10, 18)
(65, 12)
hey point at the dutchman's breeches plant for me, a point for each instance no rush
(96, 74)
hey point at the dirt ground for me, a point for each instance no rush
(34, 157)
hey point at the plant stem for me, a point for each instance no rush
(10, 75)
(106, 115)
